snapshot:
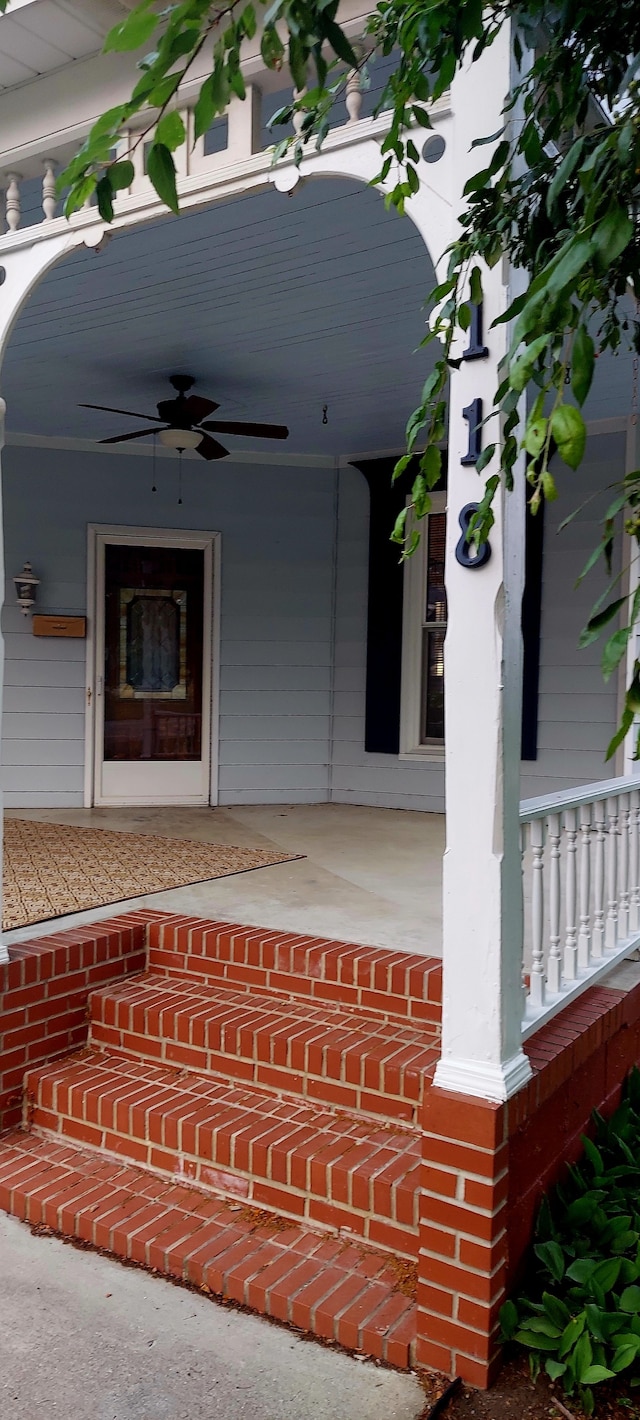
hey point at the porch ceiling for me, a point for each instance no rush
(277, 305)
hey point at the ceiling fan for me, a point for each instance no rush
(185, 424)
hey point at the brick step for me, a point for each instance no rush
(315, 1165)
(339, 1291)
(252, 958)
(336, 1056)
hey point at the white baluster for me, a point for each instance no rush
(611, 932)
(634, 902)
(571, 940)
(299, 116)
(584, 934)
(554, 963)
(353, 96)
(598, 889)
(625, 826)
(49, 190)
(12, 201)
(537, 989)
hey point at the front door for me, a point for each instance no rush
(153, 670)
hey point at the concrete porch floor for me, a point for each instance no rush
(371, 876)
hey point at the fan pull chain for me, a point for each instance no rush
(153, 485)
(179, 475)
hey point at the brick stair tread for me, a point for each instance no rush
(340, 1291)
(374, 978)
(335, 1054)
(315, 1164)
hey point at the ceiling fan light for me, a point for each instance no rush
(180, 438)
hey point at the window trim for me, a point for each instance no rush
(415, 574)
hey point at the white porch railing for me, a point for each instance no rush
(581, 865)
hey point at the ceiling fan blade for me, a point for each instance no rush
(259, 431)
(121, 438)
(108, 410)
(211, 449)
(198, 408)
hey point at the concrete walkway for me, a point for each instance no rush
(83, 1338)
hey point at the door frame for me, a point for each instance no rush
(98, 536)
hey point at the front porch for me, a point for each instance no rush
(369, 875)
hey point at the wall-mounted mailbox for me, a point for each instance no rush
(59, 625)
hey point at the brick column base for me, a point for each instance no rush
(463, 1235)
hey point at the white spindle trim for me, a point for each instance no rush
(49, 190)
(594, 841)
(299, 116)
(353, 96)
(584, 934)
(571, 940)
(554, 963)
(625, 825)
(598, 888)
(12, 201)
(611, 930)
(537, 991)
(634, 901)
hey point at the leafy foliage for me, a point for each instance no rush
(579, 1314)
(557, 195)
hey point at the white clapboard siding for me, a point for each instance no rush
(275, 671)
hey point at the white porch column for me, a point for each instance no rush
(482, 883)
(4, 954)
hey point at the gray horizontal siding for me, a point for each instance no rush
(275, 673)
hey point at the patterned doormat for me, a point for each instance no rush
(52, 869)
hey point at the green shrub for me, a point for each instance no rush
(579, 1311)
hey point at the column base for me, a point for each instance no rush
(482, 1079)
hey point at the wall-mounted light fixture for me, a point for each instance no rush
(26, 583)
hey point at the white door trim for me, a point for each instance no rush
(98, 535)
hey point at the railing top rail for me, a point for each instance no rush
(573, 798)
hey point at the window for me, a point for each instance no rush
(424, 625)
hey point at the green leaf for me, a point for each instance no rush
(431, 465)
(613, 234)
(630, 1299)
(614, 650)
(80, 193)
(570, 433)
(104, 197)
(535, 1341)
(476, 286)
(582, 1357)
(596, 623)
(162, 173)
(170, 132)
(623, 1357)
(593, 1154)
(522, 368)
(121, 175)
(552, 1257)
(134, 31)
(581, 1270)
(535, 434)
(555, 1309)
(606, 1274)
(508, 1319)
(563, 173)
(582, 364)
(593, 1374)
(339, 42)
(555, 1369)
(571, 260)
